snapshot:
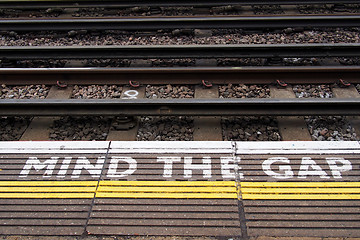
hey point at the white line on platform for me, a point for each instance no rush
(163, 147)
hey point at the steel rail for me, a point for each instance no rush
(182, 75)
(44, 4)
(204, 22)
(182, 51)
(180, 107)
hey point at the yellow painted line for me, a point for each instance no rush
(48, 189)
(165, 195)
(169, 183)
(166, 189)
(47, 183)
(118, 189)
(47, 195)
(298, 184)
(180, 189)
(300, 196)
(300, 190)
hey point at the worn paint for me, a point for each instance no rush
(180, 189)
(118, 189)
(274, 167)
(308, 168)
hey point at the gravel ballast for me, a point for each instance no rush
(219, 36)
(244, 91)
(178, 37)
(86, 128)
(325, 128)
(12, 128)
(358, 87)
(248, 128)
(80, 128)
(96, 91)
(167, 128)
(24, 92)
(169, 91)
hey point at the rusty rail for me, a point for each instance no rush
(180, 107)
(204, 22)
(175, 75)
(44, 4)
(182, 51)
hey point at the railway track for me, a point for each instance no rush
(214, 14)
(181, 75)
(115, 8)
(134, 101)
(155, 23)
(202, 3)
(181, 107)
(182, 51)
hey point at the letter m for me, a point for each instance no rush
(33, 162)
